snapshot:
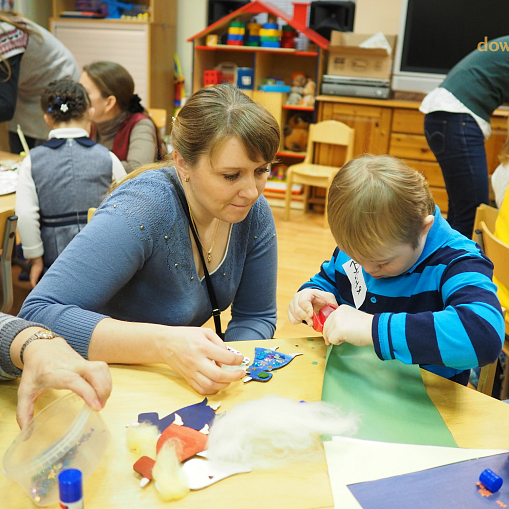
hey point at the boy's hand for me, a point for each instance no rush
(347, 324)
(302, 305)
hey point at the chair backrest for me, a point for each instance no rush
(90, 213)
(488, 215)
(338, 138)
(8, 223)
(498, 252)
(158, 115)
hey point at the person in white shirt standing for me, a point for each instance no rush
(458, 121)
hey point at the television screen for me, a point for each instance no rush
(439, 33)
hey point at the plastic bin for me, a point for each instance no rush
(65, 434)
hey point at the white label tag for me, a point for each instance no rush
(354, 272)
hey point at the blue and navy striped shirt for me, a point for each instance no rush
(443, 313)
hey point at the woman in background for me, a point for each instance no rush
(121, 122)
(31, 57)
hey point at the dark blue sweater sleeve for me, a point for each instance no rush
(9, 88)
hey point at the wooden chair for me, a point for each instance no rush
(328, 139)
(498, 252)
(8, 223)
(90, 213)
(158, 115)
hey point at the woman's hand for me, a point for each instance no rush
(53, 364)
(197, 353)
(347, 324)
(302, 305)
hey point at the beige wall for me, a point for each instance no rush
(377, 15)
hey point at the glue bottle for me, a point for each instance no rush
(70, 485)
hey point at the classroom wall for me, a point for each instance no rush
(371, 16)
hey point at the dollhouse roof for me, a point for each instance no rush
(246, 12)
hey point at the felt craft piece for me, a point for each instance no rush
(267, 359)
(144, 467)
(192, 441)
(323, 314)
(202, 473)
(194, 416)
(450, 486)
(389, 395)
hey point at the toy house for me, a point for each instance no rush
(276, 64)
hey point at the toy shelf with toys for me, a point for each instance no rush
(278, 64)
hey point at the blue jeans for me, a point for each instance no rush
(458, 144)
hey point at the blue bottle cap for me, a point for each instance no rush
(70, 485)
(491, 480)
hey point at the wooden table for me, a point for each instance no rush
(8, 200)
(475, 421)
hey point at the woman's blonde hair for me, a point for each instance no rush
(212, 116)
(375, 201)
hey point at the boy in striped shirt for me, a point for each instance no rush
(404, 280)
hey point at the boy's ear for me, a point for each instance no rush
(428, 223)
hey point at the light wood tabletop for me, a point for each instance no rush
(475, 421)
(8, 200)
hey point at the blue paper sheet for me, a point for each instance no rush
(447, 487)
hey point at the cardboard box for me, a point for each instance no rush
(346, 58)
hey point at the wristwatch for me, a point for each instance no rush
(42, 334)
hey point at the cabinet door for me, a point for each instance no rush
(124, 43)
(372, 124)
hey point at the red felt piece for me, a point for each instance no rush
(192, 441)
(319, 321)
(144, 466)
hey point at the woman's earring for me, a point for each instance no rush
(186, 179)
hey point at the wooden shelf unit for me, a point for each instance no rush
(144, 47)
(396, 127)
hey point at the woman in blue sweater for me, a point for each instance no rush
(130, 288)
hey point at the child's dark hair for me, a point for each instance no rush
(64, 100)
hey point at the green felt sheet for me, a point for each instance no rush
(389, 397)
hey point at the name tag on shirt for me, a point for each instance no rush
(354, 272)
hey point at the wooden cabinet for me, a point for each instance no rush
(397, 128)
(144, 47)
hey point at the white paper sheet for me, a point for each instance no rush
(350, 460)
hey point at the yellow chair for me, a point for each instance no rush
(329, 139)
(498, 252)
(90, 213)
(8, 223)
(158, 115)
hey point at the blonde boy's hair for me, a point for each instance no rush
(375, 201)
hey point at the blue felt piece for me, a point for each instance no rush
(267, 360)
(449, 487)
(193, 416)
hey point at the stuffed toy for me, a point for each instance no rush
(308, 94)
(296, 92)
(296, 132)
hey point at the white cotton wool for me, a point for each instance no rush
(273, 431)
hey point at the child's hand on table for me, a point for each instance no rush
(302, 305)
(347, 324)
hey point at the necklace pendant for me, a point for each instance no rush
(209, 257)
